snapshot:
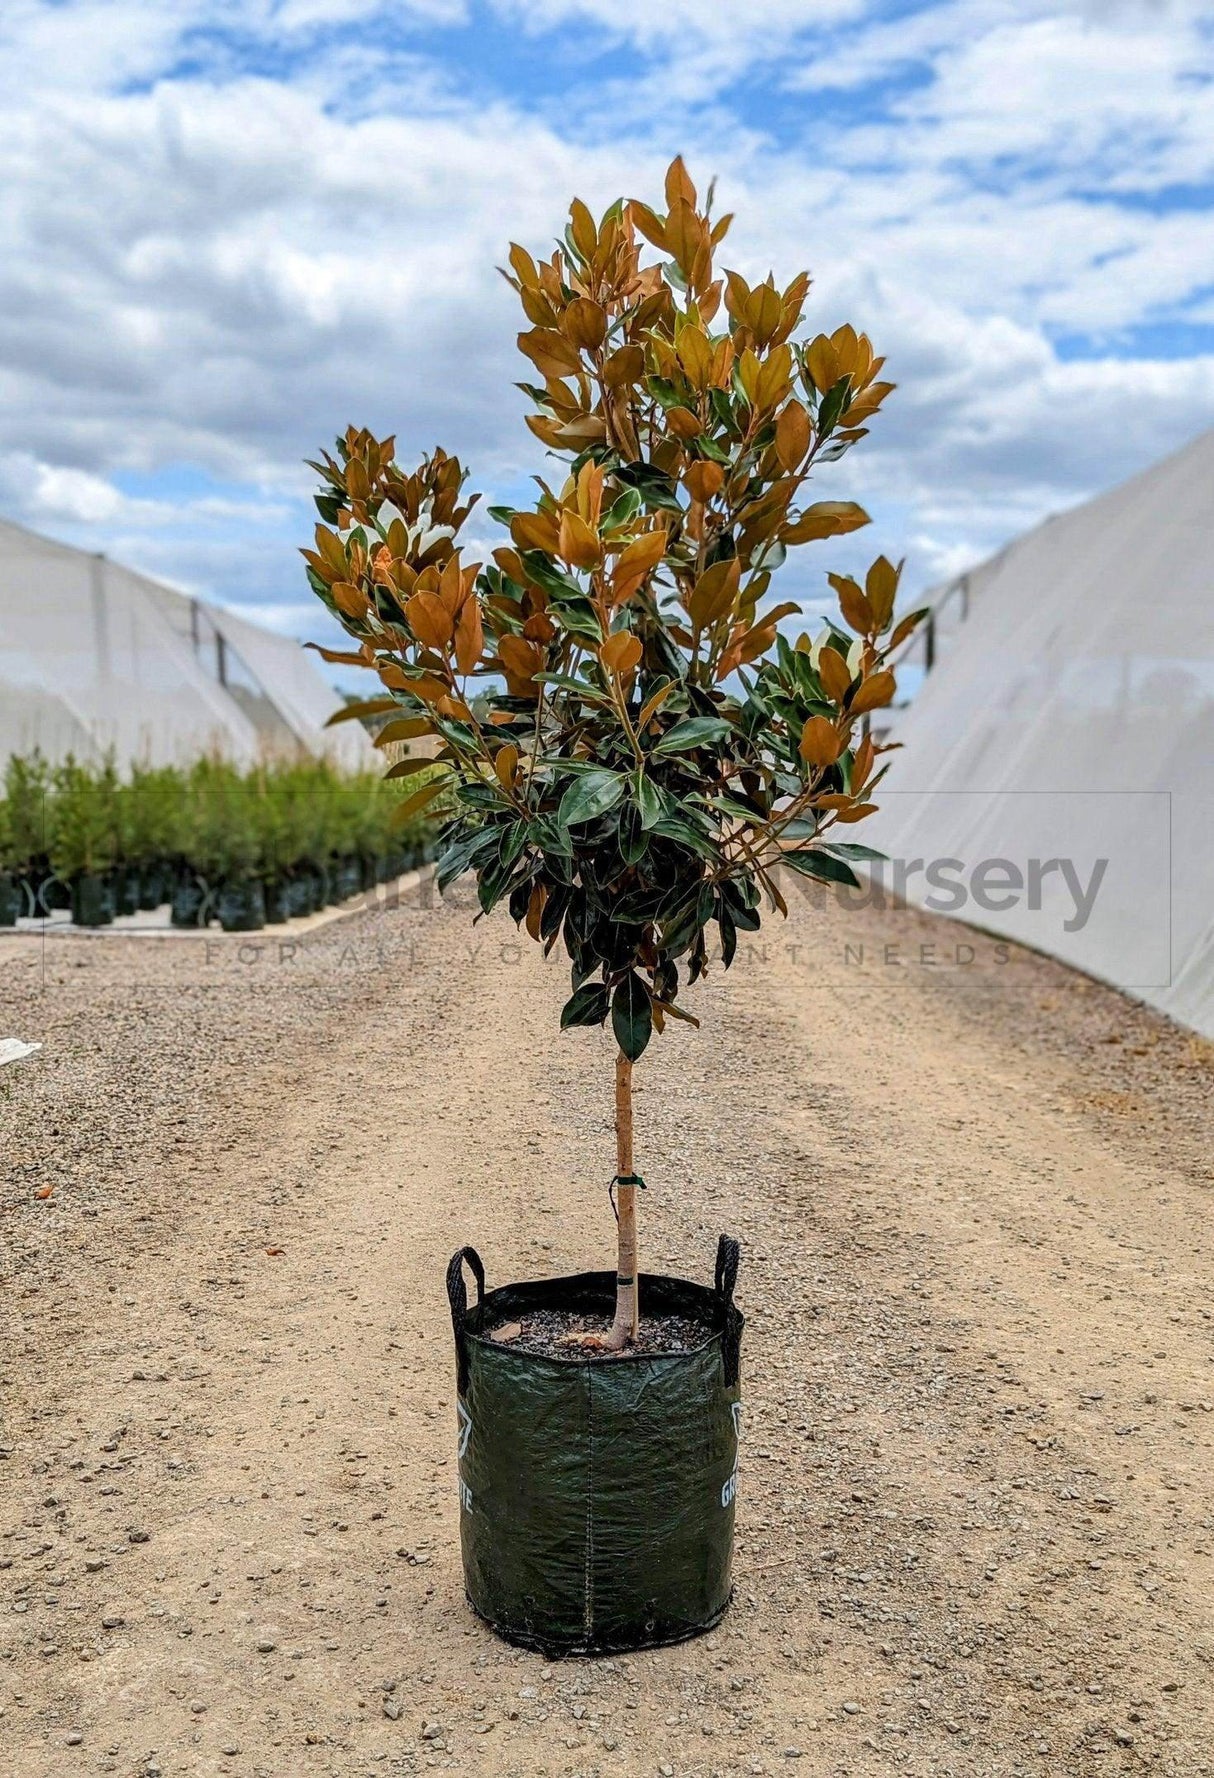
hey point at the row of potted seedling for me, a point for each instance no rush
(213, 842)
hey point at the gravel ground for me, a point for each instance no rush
(976, 1517)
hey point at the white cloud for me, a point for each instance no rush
(212, 269)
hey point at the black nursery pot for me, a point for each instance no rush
(10, 899)
(92, 901)
(126, 890)
(152, 888)
(189, 903)
(275, 892)
(597, 1493)
(242, 905)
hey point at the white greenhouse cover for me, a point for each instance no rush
(1057, 783)
(94, 657)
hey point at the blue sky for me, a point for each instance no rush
(234, 225)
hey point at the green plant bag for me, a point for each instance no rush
(597, 1493)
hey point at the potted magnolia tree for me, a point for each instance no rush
(636, 752)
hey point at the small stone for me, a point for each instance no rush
(851, 1709)
(792, 1753)
(197, 1706)
(75, 1739)
(391, 1710)
(265, 1646)
(229, 1750)
(665, 1770)
(137, 1536)
(432, 1731)
(112, 1620)
(93, 1565)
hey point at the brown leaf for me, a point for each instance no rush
(520, 657)
(585, 324)
(704, 480)
(550, 352)
(635, 563)
(862, 764)
(714, 593)
(823, 363)
(876, 690)
(627, 365)
(853, 603)
(826, 518)
(908, 625)
(581, 227)
(579, 543)
(678, 184)
(653, 703)
(881, 586)
(683, 423)
(649, 223)
(505, 764)
(469, 636)
(621, 652)
(535, 909)
(350, 599)
(536, 530)
(835, 674)
(821, 743)
(429, 620)
(412, 805)
(404, 728)
(792, 436)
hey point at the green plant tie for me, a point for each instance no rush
(623, 1179)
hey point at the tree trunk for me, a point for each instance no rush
(627, 1287)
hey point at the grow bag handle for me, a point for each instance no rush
(457, 1296)
(728, 1255)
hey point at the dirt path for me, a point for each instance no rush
(977, 1509)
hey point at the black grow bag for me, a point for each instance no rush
(191, 903)
(242, 905)
(92, 900)
(597, 1493)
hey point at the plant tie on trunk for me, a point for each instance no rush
(623, 1179)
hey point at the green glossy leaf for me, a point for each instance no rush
(822, 866)
(588, 1006)
(632, 1016)
(578, 617)
(544, 573)
(674, 827)
(695, 731)
(649, 799)
(591, 796)
(848, 849)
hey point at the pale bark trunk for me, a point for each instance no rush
(627, 1289)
